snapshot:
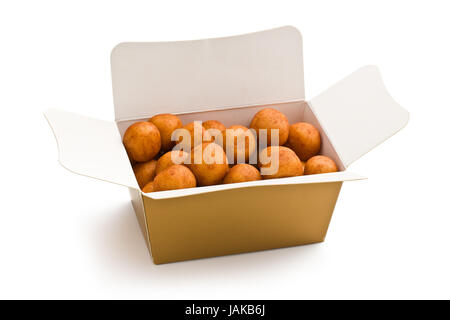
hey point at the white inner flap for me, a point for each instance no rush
(91, 147)
(358, 114)
(191, 76)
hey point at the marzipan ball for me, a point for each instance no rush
(320, 164)
(212, 166)
(144, 172)
(304, 139)
(148, 187)
(142, 141)
(241, 150)
(131, 159)
(166, 124)
(289, 165)
(213, 124)
(214, 129)
(190, 127)
(269, 119)
(174, 177)
(242, 173)
(166, 160)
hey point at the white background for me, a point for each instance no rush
(67, 236)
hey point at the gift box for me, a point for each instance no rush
(229, 79)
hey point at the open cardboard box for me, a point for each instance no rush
(229, 79)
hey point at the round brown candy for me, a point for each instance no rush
(148, 187)
(242, 142)
(145, 172)
(242, 173)
(304, 139)
(271, 119)
(166, 124)
(289, 165)
(202, 135)
(320, 164)
(214, 129)
(166, 160)
(174, 177)
(142, 141)
(213, 124)
(212, 166)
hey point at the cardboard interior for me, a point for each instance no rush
(91, 147)
(358, 113)
(192, 76)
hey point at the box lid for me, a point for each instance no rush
(185, 76)
(91, 147)
(358, 114)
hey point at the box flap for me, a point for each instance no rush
(340, 176)
(185, 76)
(358, 114)
(91, 147)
